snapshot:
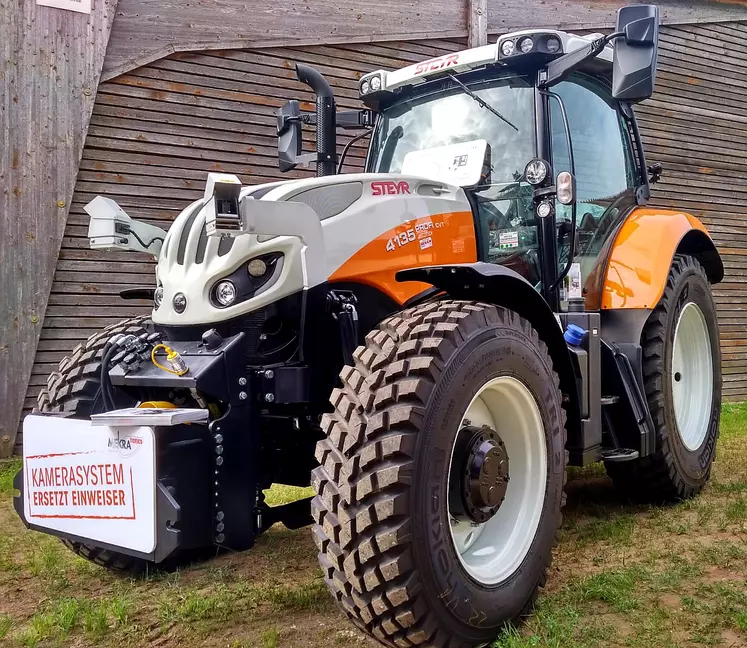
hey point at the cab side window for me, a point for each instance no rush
(604, 164)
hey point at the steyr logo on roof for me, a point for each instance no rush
(437, 63)
(389, 188)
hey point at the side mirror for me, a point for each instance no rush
(289, 135)
(636, 55)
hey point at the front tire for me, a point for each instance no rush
(682, 379)
(385, 500)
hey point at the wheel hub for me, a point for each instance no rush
(479, 474)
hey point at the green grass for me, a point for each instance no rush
(6, 622)
(281, 494)
(8, 470)
(270, 638)
(63, 616)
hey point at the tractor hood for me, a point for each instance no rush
(308, 227)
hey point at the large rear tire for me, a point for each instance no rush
(393, 491)
(74, 388)
(682, 379)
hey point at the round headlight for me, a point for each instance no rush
(553, 45)
(375, 84)
(179, 302)
(225, 292)
(536, 172)
(526, 45)
(256, 268)
(544, 209)
(158, 297)
(507, 48)
(365, 87)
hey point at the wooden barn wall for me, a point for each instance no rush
(156, 131)
(154, 135)
(696, 126)
(50, 63)
(145, 30)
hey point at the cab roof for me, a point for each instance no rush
(382, 81)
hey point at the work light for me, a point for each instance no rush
(526, 45)
(508, 48)
(536, 172)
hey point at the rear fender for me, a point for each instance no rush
(642, 253)
(497, 285)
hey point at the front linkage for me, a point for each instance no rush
(208, 482)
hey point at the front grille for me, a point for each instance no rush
(250, 324)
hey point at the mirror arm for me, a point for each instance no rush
(559, 69)
(346, 119)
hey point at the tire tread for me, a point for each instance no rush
(361, 506)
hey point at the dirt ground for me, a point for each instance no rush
(623, 575)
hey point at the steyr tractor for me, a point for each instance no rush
(429, 343)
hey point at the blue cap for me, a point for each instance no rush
(574, 335)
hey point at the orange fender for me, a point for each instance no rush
(642, 253)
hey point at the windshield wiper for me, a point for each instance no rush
(481, 102)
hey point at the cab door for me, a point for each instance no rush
(605, 169)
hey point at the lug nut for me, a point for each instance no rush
(219, 438)
(242, 381)
(220, 538)
(269, 374)
(219, 449)
(219, 527)
(219, 461)
(242, 395)
(269, 397)
(219, 516)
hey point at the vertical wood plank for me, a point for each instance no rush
(51, 64)
(477, 23)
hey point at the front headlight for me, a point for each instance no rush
(250, 279)
(225, 292)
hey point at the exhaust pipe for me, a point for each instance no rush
(326, 127)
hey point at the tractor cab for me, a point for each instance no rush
(539, 131)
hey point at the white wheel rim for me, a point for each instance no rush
(692, 376)
(491, 552)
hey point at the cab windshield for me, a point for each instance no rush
(507, 231)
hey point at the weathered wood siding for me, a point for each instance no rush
(145, 30)
(50, 62)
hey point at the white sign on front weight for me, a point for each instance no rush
(93, 482)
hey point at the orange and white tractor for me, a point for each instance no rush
(429, 343)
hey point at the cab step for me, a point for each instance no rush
(618, 455)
